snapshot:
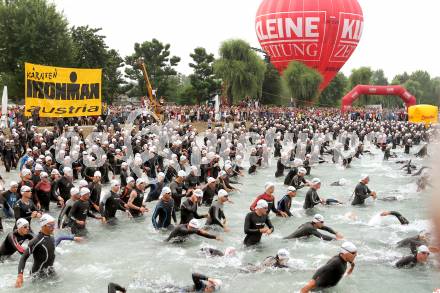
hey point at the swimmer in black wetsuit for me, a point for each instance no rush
(216, 213)
(181, 232)
(79, 212)
(332, 272)
(414, 242)
(420, 257)
(278, 261)
(212, 252)
(203, 284)
(362, 192)
(311, 228)
(109, 204)
(312, 197)
(42, 247)
(15, 239)
(257, 223)
(398, 215)
(188, 210)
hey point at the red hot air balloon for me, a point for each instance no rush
(320, 33)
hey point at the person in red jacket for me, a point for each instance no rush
(269, 188)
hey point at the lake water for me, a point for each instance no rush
(134, 255)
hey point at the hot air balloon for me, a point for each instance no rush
(322, 34)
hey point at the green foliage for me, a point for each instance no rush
(30, 31)
(272, 89)
(400, 78)
(203, 82)
(303, 82)
(333, 93)
(240, 69)
(358, 76)
(90, 51)
(160, 67)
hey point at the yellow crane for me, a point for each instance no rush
(154, 105)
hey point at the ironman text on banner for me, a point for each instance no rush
(62, 92)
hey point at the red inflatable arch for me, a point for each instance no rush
(381, 90)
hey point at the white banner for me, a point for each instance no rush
(4, 123)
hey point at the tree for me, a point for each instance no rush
(358, 76)
(202, 80)
(240, 69)
(271, 86)
(90, 51)
(378, 78)
(30, 31)
(303, 82)
(400, 78)
(334, 92)
(160, 67)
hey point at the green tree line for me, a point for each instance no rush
(35, 31)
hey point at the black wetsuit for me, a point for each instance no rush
(331, 273)
(42, 247)
(188, 211)
(182, 231)
(216, 214)
(280, 169)
(13, 242)
(298, 181)
(361, 193)
(165, 211)
(23, 210)
(401, 218)
(312, 199)
(155, 191)
(113, 288)
(79, 212)
(212, 251)
(273, 262)
(252, 225)
(138, 201)
(63, 217)
(412, 242)
(407, 261)
(290, 175)
(110, 205)
(176, 192)
(208, 196)
(307, 230)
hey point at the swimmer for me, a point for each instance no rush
(312, 197)
(216, 213)
(14, 240)
(257, 223)
(278, 261)
(340, 182)
(269, 189)
(411, 261)
(164, 210)
(182, 231)
(398, 215)
(203, 284)
(414, 242)
(286, 202)
(212, 252)
(311, 228)
(332, 272)
(42, 247)
(362, 192)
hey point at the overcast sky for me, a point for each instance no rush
(399, 35)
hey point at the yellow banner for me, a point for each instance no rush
(62, 92)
